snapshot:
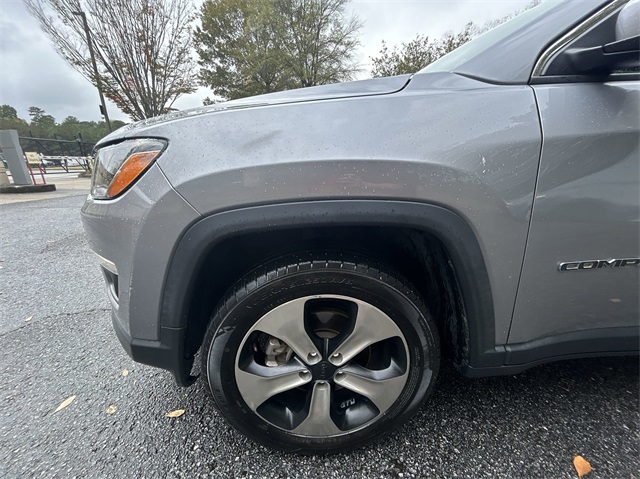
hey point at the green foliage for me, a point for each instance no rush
(318, 40)
(7, 111)
(249, 47)
(238, 54)
(14, 124)
(42, 125)
(416, 54)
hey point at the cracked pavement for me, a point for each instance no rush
(529, 425)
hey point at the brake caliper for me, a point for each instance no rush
(276, 352)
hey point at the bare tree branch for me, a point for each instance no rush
(419, 52)
(142, 47)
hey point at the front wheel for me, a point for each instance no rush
(320, 355)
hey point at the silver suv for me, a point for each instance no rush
(326, 248)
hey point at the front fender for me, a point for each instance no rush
(450, 228)
(443, 140)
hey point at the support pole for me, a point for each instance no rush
(95, 68)
(23, 179)
(4, 179)
(15, 157)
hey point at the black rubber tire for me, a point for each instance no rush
(302, 275)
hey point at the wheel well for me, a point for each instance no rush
(417, 255)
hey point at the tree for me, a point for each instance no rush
(239, 54)
(419, 52)
(319, 40)
(249, 47)
(35, 113)
(416, 54)
(70, 120)
(41, 124)
(71, 126)
(7, 111)
(9, 120)
(142, 47)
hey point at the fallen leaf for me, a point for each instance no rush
(29, 318)
(111, 409)
(176, 413)
(125, 372)
(65, 403)
(582, 466)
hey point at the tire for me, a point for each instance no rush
(320, 353)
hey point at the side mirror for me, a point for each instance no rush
(628, 21)
(622, 54)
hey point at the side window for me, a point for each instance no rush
(605, 46)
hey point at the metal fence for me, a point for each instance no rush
(57, 152)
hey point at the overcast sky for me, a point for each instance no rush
(32, 73)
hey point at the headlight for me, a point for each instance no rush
(117, 167)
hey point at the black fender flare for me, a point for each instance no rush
(449, 227)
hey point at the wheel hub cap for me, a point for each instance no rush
(323, 371)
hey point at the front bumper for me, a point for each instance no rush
(136, 234)
(166, 353)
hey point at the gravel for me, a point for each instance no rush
(529, 425)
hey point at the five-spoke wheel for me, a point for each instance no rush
(320, 355)
(340, 364)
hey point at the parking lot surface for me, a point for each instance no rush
(67, 184)
(56, 341)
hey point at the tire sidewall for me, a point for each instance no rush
(232, 325)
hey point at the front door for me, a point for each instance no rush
(580, 283)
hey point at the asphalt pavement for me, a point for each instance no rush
(56, 341)
(67, 184)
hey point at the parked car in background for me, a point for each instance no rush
(326, 249)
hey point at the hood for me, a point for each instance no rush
(374, 86)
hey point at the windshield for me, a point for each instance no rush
(493, 37)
